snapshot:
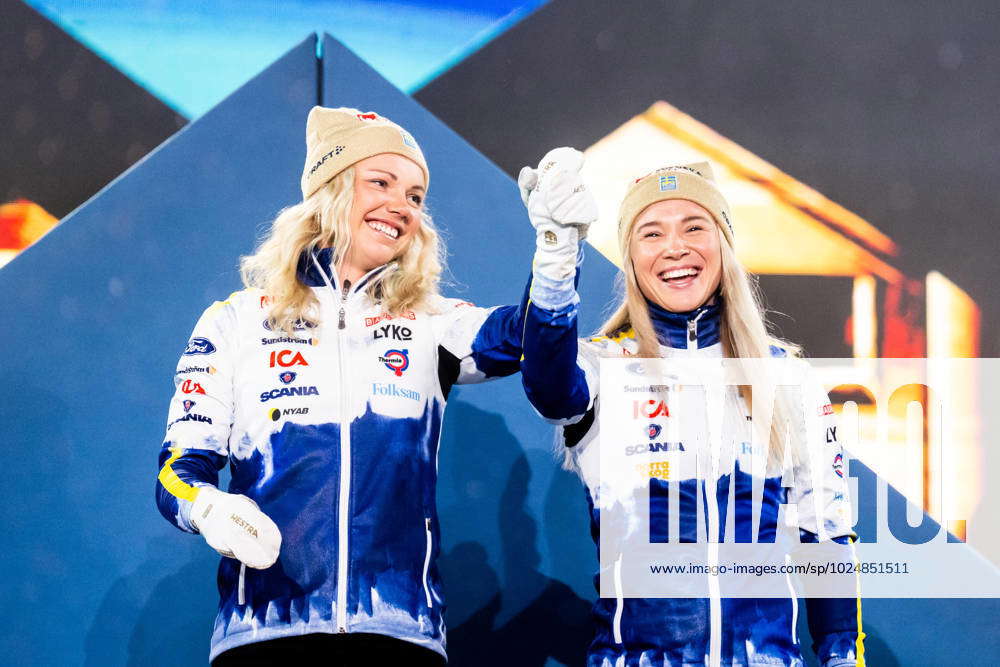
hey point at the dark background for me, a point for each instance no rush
(887, 108)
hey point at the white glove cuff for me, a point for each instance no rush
(553, 282)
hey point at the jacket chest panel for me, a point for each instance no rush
(331, 374)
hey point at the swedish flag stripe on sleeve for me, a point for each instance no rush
(174, 485)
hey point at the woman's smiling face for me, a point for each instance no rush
(385, 213)
(675, 253)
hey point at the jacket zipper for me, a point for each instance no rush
(427, 562)
(345, 443)
(714, 597)
(241, 598)
(345, 472)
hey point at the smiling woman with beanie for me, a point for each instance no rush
(322, 385)
(686, 297)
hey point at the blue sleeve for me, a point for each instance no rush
(553, 381)
(496, 349)
(182, 471)
(835, 623)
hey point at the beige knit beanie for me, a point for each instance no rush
(694, 182)
(337, 138)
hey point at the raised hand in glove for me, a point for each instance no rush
(560, 209)
(234, 526)
(554, 193)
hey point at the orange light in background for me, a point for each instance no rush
(863, 320)
(952, 319)
(22, 223)
(953, 331)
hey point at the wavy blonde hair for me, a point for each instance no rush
(744, 329)
(322, 221)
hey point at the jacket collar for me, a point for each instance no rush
(674, 329)
(315, 269)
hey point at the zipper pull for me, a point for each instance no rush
(692, 331)
(343, 299)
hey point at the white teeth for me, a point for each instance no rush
(678, 273)
(388, 230)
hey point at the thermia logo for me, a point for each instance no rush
(396, 360)
(389, 389)
(288, 391)
(199, 346)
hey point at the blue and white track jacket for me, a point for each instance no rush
(561, 378)
(334, 434)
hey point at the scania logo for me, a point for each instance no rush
(287, 377)
(188, 404)
(396, 360)
(288, 391)
(654, 447)
(653, 430)
(199, 346)
(191, 417)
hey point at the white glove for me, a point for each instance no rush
(555, 193)
(560, 209)
(234, 526)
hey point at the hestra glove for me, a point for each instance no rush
(234, 526)
(560, 209)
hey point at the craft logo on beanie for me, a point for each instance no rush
(694, 182)
(337, 138)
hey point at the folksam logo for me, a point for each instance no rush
(396, 360)
(668, 183)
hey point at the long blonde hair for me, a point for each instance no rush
(322, 221)
(743, 328)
